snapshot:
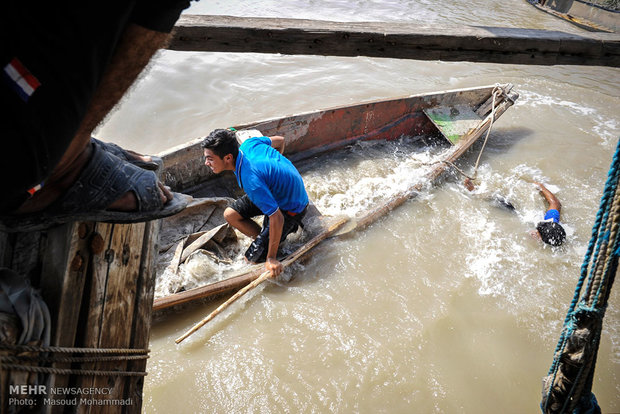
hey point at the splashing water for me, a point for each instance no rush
(368, 173)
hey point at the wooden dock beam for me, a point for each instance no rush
(395, 40)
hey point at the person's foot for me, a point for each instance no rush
(58, 183)
(129, 202)
(96, 186)
(146, 162)
(139, 157)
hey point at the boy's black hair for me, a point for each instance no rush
(551, 233)
(222, 142)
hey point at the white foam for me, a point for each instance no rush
(199, 269)
(351, 187)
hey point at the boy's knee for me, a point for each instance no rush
(231, 215)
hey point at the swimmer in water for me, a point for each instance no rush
(550, 230)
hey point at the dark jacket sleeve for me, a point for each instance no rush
(158, 15)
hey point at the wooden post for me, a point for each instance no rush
(98, 282)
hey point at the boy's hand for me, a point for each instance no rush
(274, 266)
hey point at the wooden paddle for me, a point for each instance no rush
(333, 228)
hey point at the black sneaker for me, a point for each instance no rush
(257, 252)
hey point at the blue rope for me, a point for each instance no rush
(599, 240)
(589, 405)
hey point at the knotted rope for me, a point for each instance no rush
(567, 387)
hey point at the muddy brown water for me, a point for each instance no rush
(446, 305)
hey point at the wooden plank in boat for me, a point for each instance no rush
(202, 240)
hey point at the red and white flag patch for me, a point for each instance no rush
(21, 80)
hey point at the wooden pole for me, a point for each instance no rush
(266, 275)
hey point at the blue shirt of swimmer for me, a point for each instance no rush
(552, 215)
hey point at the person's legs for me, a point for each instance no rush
(257, 252)
(240, 214)
(246, 226)
(103, 181)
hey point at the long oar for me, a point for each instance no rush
(266, 275)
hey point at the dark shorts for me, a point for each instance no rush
(257, 252)
(246, 207)
(53, 57)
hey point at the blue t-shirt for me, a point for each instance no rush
(552, 215)
(269, 178)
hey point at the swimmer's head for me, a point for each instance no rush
(551, 233)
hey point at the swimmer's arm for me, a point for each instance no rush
(553, 201)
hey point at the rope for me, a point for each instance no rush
(567, 387)
(497, 90)
(20, 358)
(62, 371)
(60, 349)
(15, 362)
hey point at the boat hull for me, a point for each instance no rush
(314, 133)
(461, 116)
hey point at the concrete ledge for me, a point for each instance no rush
(394, 40)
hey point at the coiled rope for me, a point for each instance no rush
(567, 387)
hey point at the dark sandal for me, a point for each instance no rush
(105, 179)
(155, 165)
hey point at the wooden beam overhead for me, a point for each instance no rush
(395, 40)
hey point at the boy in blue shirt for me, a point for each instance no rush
(273, 186)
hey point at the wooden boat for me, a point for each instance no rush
(460, 116)
(583, 14)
